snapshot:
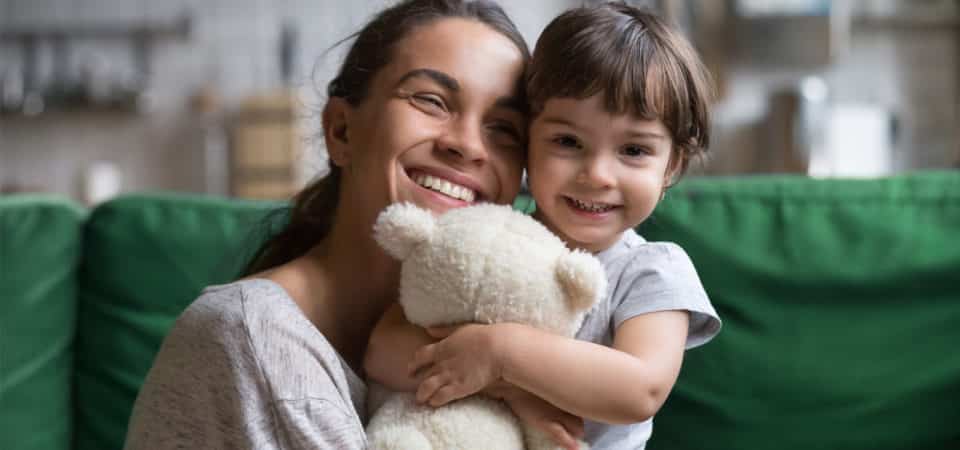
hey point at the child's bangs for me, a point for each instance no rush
(667, 90)
(639, 66)
(641, 83)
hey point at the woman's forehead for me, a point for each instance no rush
(466, 51)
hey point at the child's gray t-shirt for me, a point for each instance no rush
(243, 368)
(644, 277)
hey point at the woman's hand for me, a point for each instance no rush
(560, 426)
(462, 363)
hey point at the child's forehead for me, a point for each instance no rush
(587, 119)
(592, 110)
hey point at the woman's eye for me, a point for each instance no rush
(506, 135)
(507, 129)
(566, 141)
(430, 101)
(635, 151)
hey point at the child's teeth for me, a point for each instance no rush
(592, 207)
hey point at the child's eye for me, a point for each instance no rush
(566, 141)
(634, 151)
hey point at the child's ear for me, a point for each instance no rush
(673, 167)
(336, 130)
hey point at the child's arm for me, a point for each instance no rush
(624, 384)
(391, 348)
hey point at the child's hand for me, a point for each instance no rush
(461, 364)
(560, 426)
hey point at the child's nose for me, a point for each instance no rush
(596, 173)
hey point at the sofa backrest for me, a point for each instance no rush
(840, 300)
(841, 304)
(146, 257)
(39, 252)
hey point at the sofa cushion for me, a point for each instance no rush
(146, 257)
(841, 305)
(39, 252)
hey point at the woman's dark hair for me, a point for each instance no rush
(639, 64)
(311, 215)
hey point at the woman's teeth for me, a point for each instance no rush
(445, 187)
(591, 207)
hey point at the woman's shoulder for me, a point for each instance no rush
(238, 316)
(245, 291)
(256, 320)
(246, 336)
(239, 301)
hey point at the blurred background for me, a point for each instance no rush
(103, 97)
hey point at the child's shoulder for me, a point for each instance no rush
(633, 249)
(655, 262)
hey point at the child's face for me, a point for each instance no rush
(593, 174)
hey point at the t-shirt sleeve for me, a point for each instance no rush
(210, 387)
(661, 277)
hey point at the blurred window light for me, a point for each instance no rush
(859, 143)
(759, 8)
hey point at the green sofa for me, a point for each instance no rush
(840, 301)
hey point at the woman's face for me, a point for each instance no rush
(441, 125)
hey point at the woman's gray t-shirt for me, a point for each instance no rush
(243, 368)
(644, 277)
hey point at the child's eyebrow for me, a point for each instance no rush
(646, 135)
(559, 121)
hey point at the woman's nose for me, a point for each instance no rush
(465, 140)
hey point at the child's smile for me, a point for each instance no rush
(590, 208)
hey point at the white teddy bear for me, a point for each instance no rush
(483, 263)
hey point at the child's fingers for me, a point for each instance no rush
(421, 359)
(560, 436)
(573, 425)
(441, 332)
(444, 395)
(428, 387)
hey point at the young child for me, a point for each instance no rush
(620, 107)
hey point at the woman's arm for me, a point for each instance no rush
(624, 384)
(391, 348)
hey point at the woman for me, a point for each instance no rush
(428, 92)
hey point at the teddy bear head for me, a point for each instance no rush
(487, 263)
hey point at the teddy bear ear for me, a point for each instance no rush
(582, 278)
(403, 226)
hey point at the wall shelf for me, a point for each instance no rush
(65, 92)
(178, 29)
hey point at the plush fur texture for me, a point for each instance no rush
(484, 263)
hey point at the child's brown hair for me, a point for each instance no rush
(640, 64)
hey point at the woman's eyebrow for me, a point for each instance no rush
(439, 77)
(512, 102)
